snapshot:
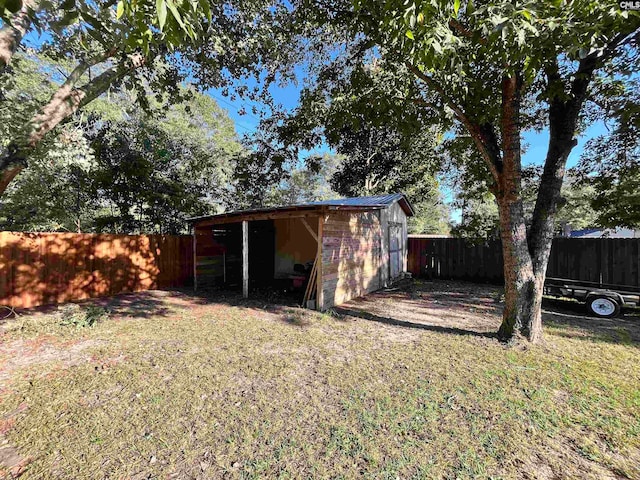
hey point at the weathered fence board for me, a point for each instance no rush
(613, 261)
(44, 268)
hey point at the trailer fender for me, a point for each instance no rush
(606, 293)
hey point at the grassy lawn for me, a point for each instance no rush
(172, 386)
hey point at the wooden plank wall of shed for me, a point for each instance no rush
(351, 256)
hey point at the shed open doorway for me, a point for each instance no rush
(269, 257)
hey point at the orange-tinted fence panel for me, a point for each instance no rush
(45, 268)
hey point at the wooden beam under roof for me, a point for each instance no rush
(309, 229)
(250, 217)
(276, 213)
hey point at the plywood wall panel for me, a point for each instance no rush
(351, 256)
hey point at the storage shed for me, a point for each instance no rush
(328, 251)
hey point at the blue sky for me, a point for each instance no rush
(288, 97)
(538, 145)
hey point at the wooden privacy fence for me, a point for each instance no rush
(605, 260)
(44, 268)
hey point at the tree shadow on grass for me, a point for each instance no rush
(455, 306)
(567, 318)
(152, 303)
(264, 299)
(285, 307)
(166, 303)
(408, 324)
(147, 304)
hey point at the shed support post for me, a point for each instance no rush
(319, 291)
(245, 259)
(195, 260)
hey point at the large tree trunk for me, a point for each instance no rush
(521, 316)
(523, 294)
(526, 255)
(563, 118)
(63, 104)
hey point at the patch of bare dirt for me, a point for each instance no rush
(438, 306)
(562, 459)
(471, 309)
(21, 353)
(12, 464)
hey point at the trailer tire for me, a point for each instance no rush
(603, 306)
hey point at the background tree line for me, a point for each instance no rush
(113, 167)
(117, 168)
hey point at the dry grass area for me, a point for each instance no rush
(406, 383)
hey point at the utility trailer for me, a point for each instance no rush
(602, 300)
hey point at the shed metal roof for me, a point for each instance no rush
(375, 202)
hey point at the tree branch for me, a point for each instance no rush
(483, 135)
(64, 103)
(102, 82)
(435, 86)
(589, 64)
(455, 25)
(424, 103)
(619, 40)
(563, 117)
(11, 34)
